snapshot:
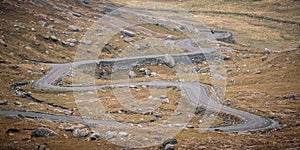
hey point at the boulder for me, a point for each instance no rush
(246, 56)
(76, 14)
(95, 136)
(169, 61)
(169, 147)
(123, 134)
(163, 97)
(41, 147)
(147, 72)
(127, 40)
(43, 23)
(267, 51)
(153, 74)
(43, 132)
(3, 102)
(17, 103)
(264, 58)
(2, 42)
(132, 74)
(74, 28)
(80, 133)
(200, 110)
(54, 38)
(128, 33)
(169, 141)
(72, 40)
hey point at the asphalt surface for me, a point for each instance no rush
(196, 93)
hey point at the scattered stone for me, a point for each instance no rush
(95, 136)
(132, 86)
(202, 147)
(267, 51)
(246, 56)
(163, 97)
(200, 110)
(80, 133)
(17, 103)
(123, 134)
(87, 42)
(169, 141)
(54, 38)
(69, 112)
(226, 57)
(3, 43)
(169, 61)
(232, 81)
(153, 74)
(214, 148)
(11, 131)
(257, 72)
(132, 74)
(264, 58)
(190, 126)
(46, 37)
(41, 147)
(72, 44)
(147, 72)
(76, 14)
(33, 29)
(43, 132)
(74, 28)
(169, 147)
(43, 23)
(72, 40)
(128, 40)
(64, 43)
(227, 102)
(128, 33)
(3, 102)
(138, 47)
(170, 37)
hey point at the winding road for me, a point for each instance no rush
(196, 93)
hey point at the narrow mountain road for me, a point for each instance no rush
(196, 93)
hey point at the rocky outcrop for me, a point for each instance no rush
(43, 132)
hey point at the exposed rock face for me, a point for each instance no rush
(74, 28)
(43, 132)
(169, 61)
